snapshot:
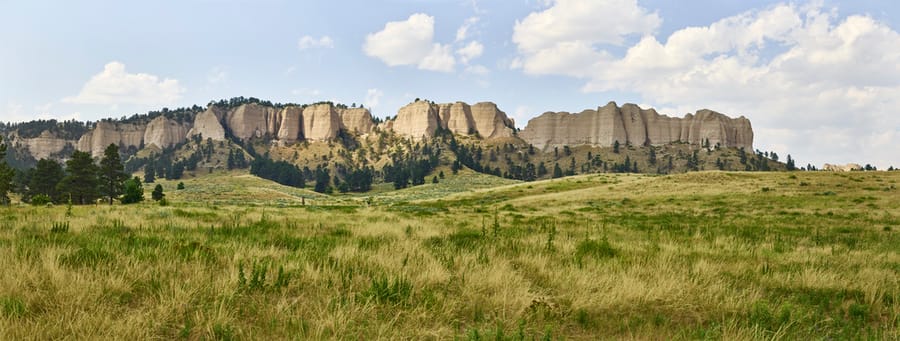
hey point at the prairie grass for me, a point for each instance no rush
(708, 255)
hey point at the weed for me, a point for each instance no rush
(395, 290)
(59, 227)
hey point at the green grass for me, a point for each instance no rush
(693, 256)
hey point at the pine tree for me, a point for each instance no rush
(6, 175)
(616, 147)
(80, 183)
(157, 193)
(44, 178)
(134, 191)
(149, 173)
(557, 172)
(112, 173)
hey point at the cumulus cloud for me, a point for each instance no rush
(410, 42)
(309, 42)
(373, 98)
(114, 86)
(815, 85)
(471, 51)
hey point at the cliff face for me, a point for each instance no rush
(421, 119)
(357, 120)
(44, 146)
(207, 125)
(631, 124)
(163, 133)
(291, 124)
(320, 122)
(252, 120)
(106, 133)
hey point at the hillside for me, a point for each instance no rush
(799, 255)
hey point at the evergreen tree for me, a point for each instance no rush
(43, 180)
(790, 163)
(616, 146)
(541, 170)
(149, 173)
(134, 191)
(112, 173)
(6, 175)
(157, 193)
(80, 183)
(652, 158)
(557, 172)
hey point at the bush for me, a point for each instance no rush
(40, 200)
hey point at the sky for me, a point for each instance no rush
(818, 79)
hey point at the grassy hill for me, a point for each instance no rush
(724, 255)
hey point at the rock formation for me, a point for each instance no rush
(422, 118)
(842, 168)
(632, 125)
(291, 124)
(252, 120)
(124, 135)
(207, 125)
(320, 122)
(163, 133)
(44, 146)
(356, 120)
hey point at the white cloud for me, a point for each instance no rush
(115, 86)
(373, 98)
(462, 33)
(309, 42)
(478, 70)
(471, 51)
(822, 88)
(587, 21)
(410, 42)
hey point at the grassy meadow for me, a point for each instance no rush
(707, 255)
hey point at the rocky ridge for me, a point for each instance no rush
(630, 124)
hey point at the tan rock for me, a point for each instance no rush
(291, 124)
(417, 120)
(457, 118)
(207, 125)
(252, 121)
(163, 133)
(320, 122)
(124, 135)
(44, 146)
(842, 168)
(636, 126)
(357, 120)
(490, 122)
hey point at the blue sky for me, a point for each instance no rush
(818, 79)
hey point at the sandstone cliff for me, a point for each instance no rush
(636, 126)
(252, 120)
(163, 133)
(207, 125)
(320, 122)
(124, 135)
(842, 168)
(357, 120)
(422, 118)
(291, 124)
(44, 146)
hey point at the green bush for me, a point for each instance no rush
(41, 200)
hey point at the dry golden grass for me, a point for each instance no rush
(699, 255)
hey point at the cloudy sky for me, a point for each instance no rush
(818, 79)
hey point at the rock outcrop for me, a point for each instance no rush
(320, 122)
(356, 120)
(291, 124)
(125, 135)
(842, 168)
(163, 133)
(632, 125)
(422, 118)
(208, 126)
(252, 120)
(44, 146)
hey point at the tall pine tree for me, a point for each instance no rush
(80, 185)
(112, 173)
(44, 178)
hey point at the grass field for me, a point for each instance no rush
(707, 255)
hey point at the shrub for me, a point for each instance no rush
(40, 200)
